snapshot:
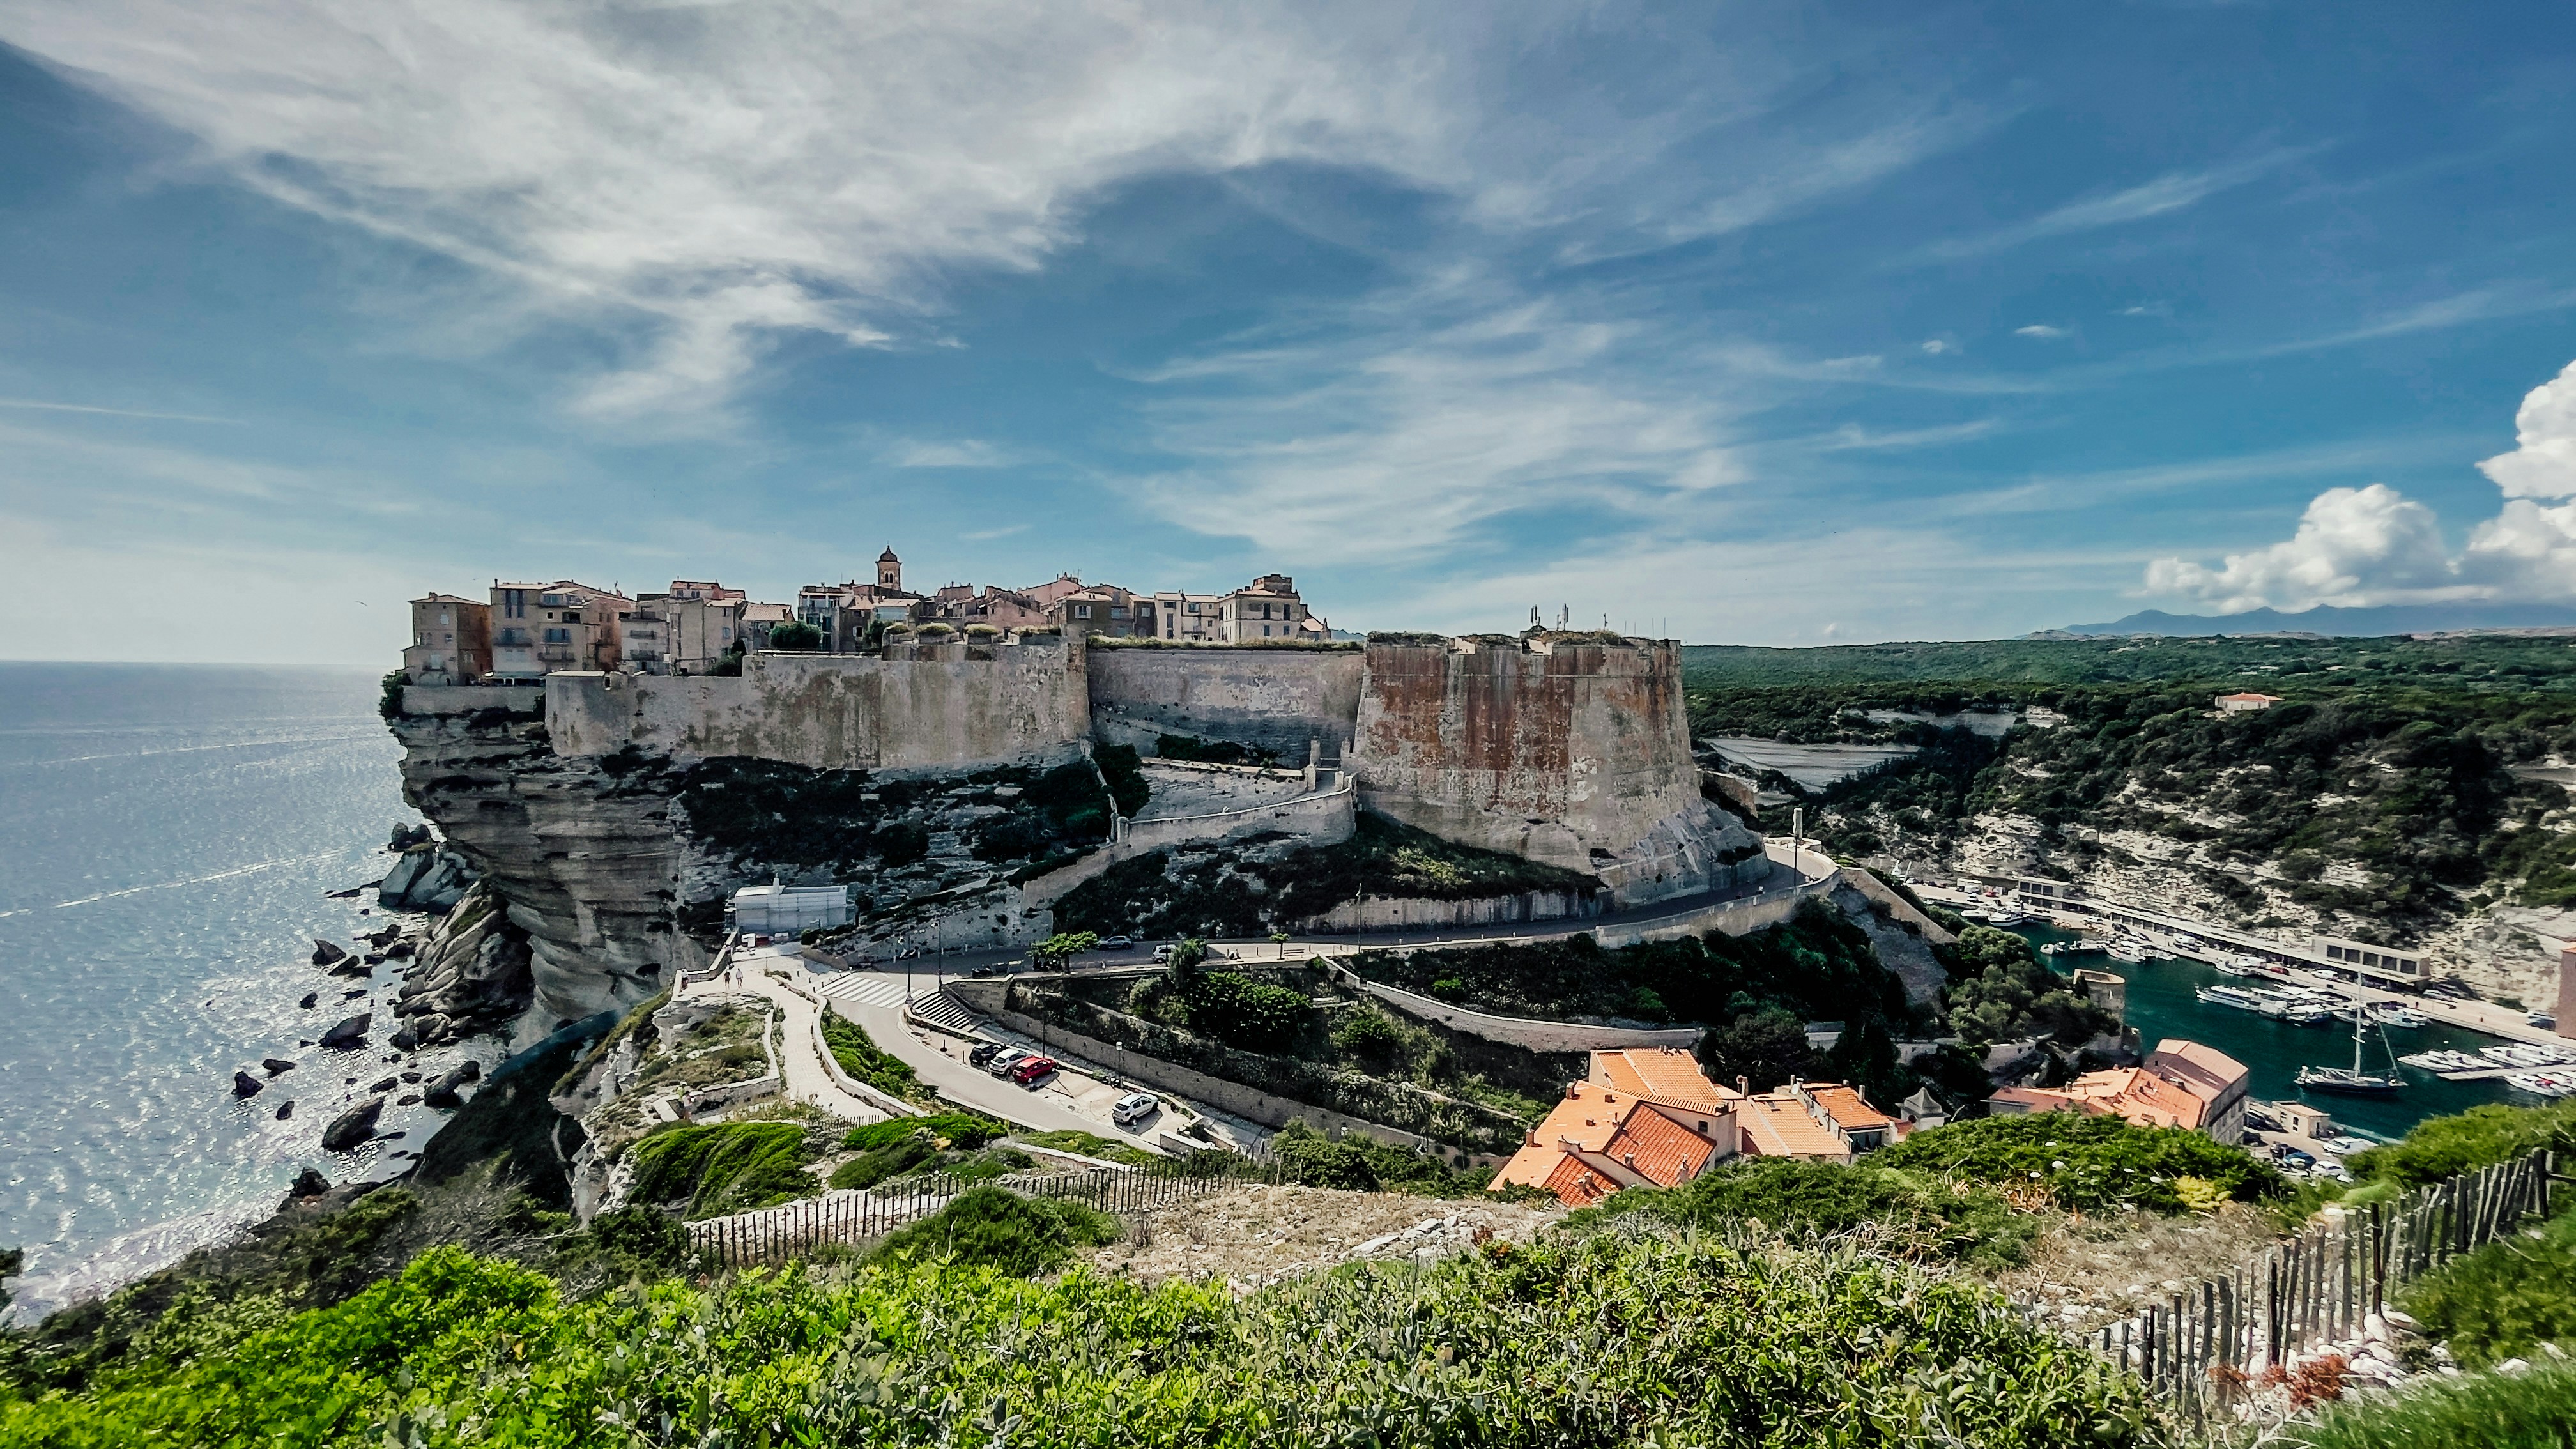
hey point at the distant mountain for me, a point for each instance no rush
(2342, 623)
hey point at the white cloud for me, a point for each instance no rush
(731, 172)
(950, 453)
(2171, 192)
(2358, 547)
(2543, 465)
(1935, 347)
(2354, 546)
(2042, 331)
(1399, 441)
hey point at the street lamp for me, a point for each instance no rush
(1797, 840)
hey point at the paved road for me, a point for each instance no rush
(807, 1080)
(1044, 1109)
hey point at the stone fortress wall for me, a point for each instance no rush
(1571, 749)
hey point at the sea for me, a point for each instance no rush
(2163, 1002)
(169, 836)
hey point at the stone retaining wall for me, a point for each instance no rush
(1520, 1031)
(438, 699)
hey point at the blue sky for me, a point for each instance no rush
(1764, 323)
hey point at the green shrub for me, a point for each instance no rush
(2001, 991)
(2505, 1299)
(986, 1227)
(643, 1238)
(728, 1168)
(1923, 1215)
(795, 635)
(1360, 1163)
(1125, 773)
(2535, 1410)
(2442, 1147)
(1611, 1339)
(958, 1129)
(1088, 1144)
(2086, 1163)
(860, 1056)
(905, 1145)
(390, 702)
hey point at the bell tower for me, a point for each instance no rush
(889, 570)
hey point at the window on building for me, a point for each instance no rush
(558, 636)
(514, 603)
(552, 601)
(1265, 631)
(1194, 608)
(1082, 611)
(1117, 612)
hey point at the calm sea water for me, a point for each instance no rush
(2163, 1003)
(167, 836)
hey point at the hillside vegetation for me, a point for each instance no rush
(1608, 1339)
(2397, 787)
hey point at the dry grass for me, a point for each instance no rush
(2096, 1270)
(1259, 1233)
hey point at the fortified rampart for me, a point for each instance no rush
(1270, 699)
(918, 706)
(1573, 750)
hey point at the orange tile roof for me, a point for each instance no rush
(1849, 1109)
(1658, 1142)
(1776, 1124)
(1666, 1074)
(1656, 1146)
(2203, 1070)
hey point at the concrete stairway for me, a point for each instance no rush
(943, 1010)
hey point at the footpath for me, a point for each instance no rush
(800, 1064)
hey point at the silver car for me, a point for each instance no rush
(1133, 1108)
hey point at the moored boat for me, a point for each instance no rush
(2397, 1013)
(2353, 1080)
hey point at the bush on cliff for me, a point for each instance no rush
(2506, 1299)
(988, 1227)
(1611, 1339)
(1912, 1214)
(2482, 1136)
(729, 1168)
(2000, 991)
(2085, 1163)
(859, 1055)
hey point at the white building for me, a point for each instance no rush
(784, 910)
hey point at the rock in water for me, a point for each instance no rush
(326, 953)
(246, 1085)
(276, 1065)
(349, 1035)
(285, 1110)
(308, 1183)
(443, 1093)
(386, 1085)
(351, 1129)
(310, 997)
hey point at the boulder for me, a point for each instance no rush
(350, 1034)
(327, 952)
(310, 997)
(444, 1094)
(405, 1039)
(405, 836)
(276, 1065)
(407, 1099)
(426, 878)
(285, 1110)
(246, 1085)
(308, 1183)
(354, 1128)
(352, 966)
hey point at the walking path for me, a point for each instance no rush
(800, 1063)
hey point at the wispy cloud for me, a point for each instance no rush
(2484, 304)
(948, 453)
(2043, 331)
(729, 176)
(36, 405)
(2171, 192)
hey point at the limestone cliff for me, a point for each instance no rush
(1573, 750)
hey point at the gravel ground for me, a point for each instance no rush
(1257, 1235)
(2097, 1270)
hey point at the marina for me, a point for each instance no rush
(2164, 999)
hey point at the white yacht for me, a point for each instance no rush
(2397, 1013)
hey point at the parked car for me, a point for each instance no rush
(1163, 953)
(2297, 1160)
(1133, 1108)
(1027, 1070)
(983, 1055)
(1001, 1061)
(1116, 943)
(2541, 1019)
(2344, 1146)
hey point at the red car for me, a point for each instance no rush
(1029, 1071)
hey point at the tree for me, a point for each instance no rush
(2000, 992)
(1056, 951)
(12, 1260)
(1768, 1047)
(795, 634)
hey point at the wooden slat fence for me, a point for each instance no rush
(775, 1234)
(2320, 1287)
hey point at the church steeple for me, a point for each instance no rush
(889, 569)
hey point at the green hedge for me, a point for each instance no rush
(2087, 1164)
(1611, 1340)
(860, 1056)
(728, 1168)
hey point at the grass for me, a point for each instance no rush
(1088, 1144)
(907, 1145)
(987, 1227)
(862, 1058)
(2505, 1299)
(1363, 1164)
(1613, 1339)
(2535, 1410)
(2443, 1147)
(729, 1168)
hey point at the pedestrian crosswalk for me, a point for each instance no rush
(873, 988)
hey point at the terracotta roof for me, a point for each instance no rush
(2202, 1069)
(1656, 1141)
(1666, 1074)
(1575, 1184)
(1777, 1125)
(1847, 1107)
(1656, 1145)
(2266, 698)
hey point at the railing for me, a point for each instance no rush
(775, 1234)
(2203, 1344)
